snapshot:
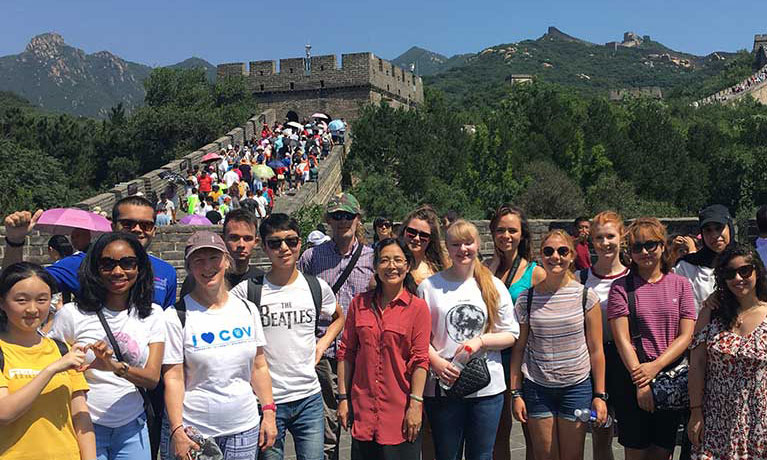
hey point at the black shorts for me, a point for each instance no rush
(638, 429)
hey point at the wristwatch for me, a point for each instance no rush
(341, 397)
(515, 393)
(123, 369)
(602, 396)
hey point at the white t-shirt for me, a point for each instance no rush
(231, 177)
(602, 287)
(288, 320)
(458, 314)
(701, 278)
(217, 348)
(112, 401)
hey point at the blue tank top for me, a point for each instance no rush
(523, 283)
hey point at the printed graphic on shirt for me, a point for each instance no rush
(284, 315)
(129, 347)
(223, 337)
(464, 321)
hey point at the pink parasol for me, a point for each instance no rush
(208, 157)
(194, 219)
(61, 221)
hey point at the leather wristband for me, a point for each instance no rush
(173, 431)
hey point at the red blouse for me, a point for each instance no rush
(386, 349)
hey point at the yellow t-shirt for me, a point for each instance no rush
(45, 431)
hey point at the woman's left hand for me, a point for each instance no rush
(268, 431)
(411, 426)
(104, 354)
(599, 406)
(644, 373)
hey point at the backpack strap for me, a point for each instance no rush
(584, 300)
(529, 304)
(316, 290)
(180, 307)
(255, 286)
(63, 350)
(584, 275)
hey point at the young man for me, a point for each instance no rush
(582, 227)
(241, 238)
(133, 214)
(289, 316)
(329, 261)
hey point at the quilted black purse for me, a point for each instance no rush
(474, 377)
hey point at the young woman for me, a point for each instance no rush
(728, 369)
(59, 247)
(606, 236)
(558, 352)
(117, 286)
(420, 231)
(382, 229)
(665, 316)
(718, 232)
(391, 322)
(215, 362)
(512, 263)
(43, 413)
(470, 308)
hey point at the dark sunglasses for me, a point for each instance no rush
(412, 233)
(563, 251)
(384, 225)
(130, 224)
(744, 271)
(107, 264)
(649, 246)
(291, 241)
(342, 215)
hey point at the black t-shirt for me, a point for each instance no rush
(232, 279)
(213, 216)
(246, 176)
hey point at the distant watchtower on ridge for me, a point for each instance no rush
(297, 90)
(760, 50)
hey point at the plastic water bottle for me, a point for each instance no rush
(588, 415)
(459, 361)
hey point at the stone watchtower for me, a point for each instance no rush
(301, 87)
(760, 51)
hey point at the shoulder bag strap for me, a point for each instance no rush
(348, 270)
(180, 307)
(584, 275)
(636, 335)
(513, 271)
(529, 304)
(118, 354)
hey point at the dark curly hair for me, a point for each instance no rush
(409, 282)
(728, 303)
(93, 293)
(19, 272)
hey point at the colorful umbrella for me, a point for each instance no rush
(262, 172)
(194, 219)
(320, 115)
(296, 125)
(208, 157)
(336, 125)
(61, 221)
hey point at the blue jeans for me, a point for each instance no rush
(545, 402)
(239, 446)
(305, 419)
(128, 442)
(464, 426)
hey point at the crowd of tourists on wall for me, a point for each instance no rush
(279, 161)
(421, 343)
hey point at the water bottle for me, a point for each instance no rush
(588, 415)
(459, 361)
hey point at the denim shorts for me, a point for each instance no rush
(544, 402)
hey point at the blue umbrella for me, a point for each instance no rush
(274, 164)
(336, 125)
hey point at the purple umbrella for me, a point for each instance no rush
(194, 219)
(61, 221)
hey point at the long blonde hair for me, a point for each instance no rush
(558, 232)
(461, 230)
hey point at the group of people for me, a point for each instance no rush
(757, 78)
(416, 344)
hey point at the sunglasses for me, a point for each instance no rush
(107, 264)
(412, 233)
(563, 251)
(342, 215)
(648, 246)
(744, 271)
(291, 242)
(384, 225)
(130, 224)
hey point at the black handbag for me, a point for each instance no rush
(474, 377)
(669, 387)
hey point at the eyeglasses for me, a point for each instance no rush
(107, 264)
(744, 271)
(342, 215)
(291, 241)
(412, 233)
(396, 261)
(130, 224)
(648, 246)
(563, 251)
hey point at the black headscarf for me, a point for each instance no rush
(714, 213)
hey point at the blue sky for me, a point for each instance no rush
(162, 32)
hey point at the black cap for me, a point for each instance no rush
(715, 213)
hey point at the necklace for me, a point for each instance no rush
(739, 319)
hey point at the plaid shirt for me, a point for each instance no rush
(324, 261)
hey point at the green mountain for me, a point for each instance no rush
(58, 77)
(424, 62)
(592, 69)
(193, 62)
